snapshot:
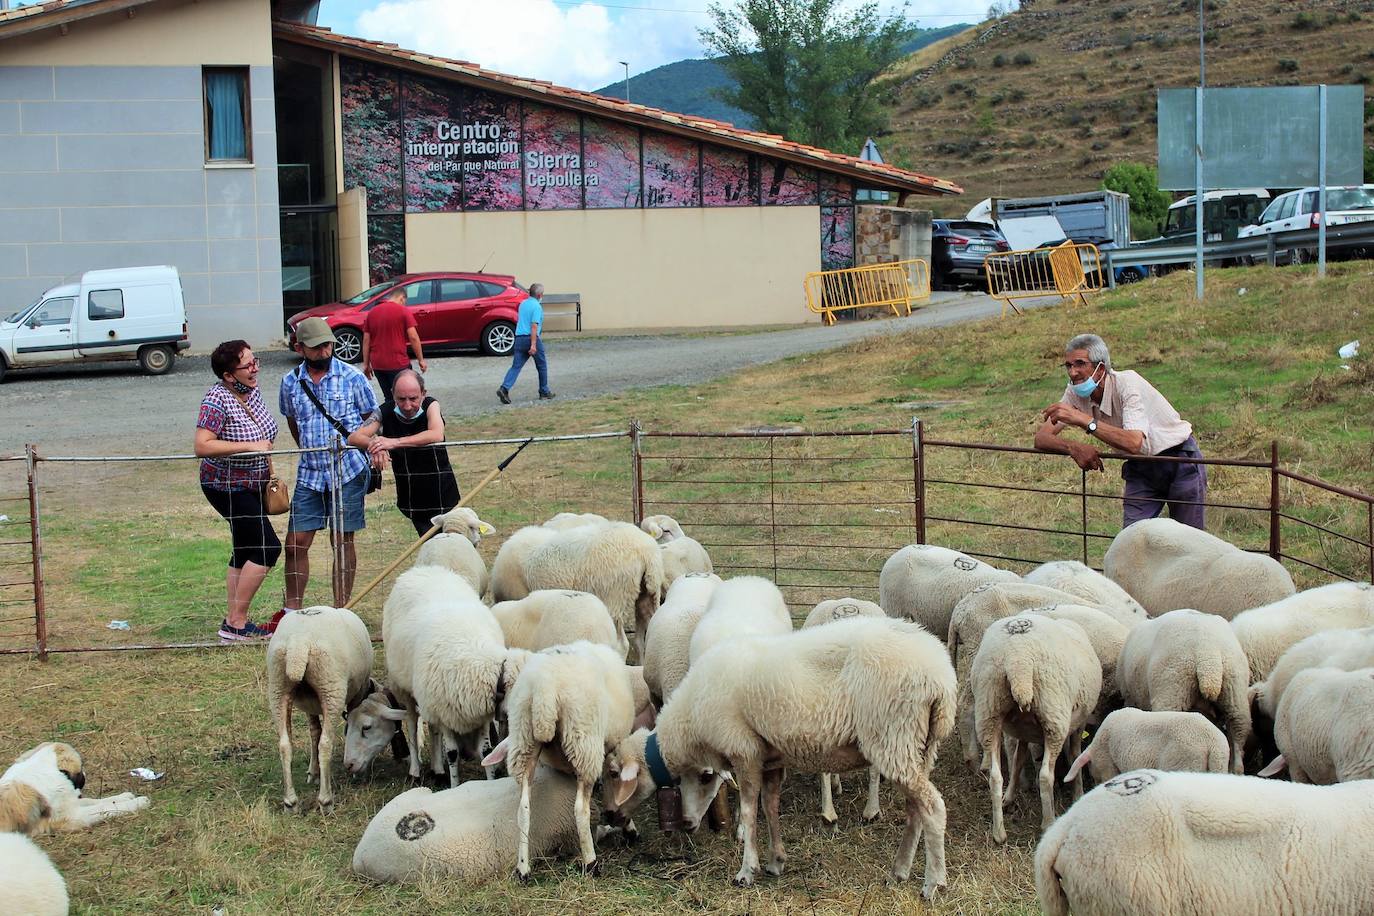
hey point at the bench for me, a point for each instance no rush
(563, 305)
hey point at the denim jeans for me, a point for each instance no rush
(518, 359)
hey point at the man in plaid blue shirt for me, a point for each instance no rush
(344, 392)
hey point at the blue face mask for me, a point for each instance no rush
(400, 414)
(1085, 388)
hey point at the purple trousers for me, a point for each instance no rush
(1150, 485)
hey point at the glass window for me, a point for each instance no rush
(1350, 199)
(1290, 205)
(421, 293)
(227, 127)
(453, 290)
(104, 304)
(491, 289)
(54, 311)
(1271, 212)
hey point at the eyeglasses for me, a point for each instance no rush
(247, 366)
(1077, 364)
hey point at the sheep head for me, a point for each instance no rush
(371, 726)
(463, 521)
(664, 529)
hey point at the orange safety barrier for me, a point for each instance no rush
(896, 284)
(1069, 271)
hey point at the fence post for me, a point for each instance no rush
(918, 470)
(636, 471)
(337, 579)
(1271, 254)
(40, 613)
(1275, 545)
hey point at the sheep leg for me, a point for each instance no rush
(1053, 745)
(925, 814)
(283, 714)
(827, 803)
(1015, 765)
(873, 808)
(992, 757)
(522, 861)
(582, 814)
(1076, 748)
(312, 772)
(411, 723)
(772, 798)
(324, 756)
(437, 766)
(450, 741)
(749, 781)
(968, 734)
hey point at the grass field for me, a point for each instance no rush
(138, 543)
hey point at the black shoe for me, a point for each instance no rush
(546, 395)
(503, 395)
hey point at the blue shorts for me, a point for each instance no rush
(310, 508)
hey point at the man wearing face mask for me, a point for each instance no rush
(412, 425)
(1124, 411)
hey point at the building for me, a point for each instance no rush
(279, 165)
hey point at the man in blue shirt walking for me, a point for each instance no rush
(528, 342)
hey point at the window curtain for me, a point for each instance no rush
(224, 95)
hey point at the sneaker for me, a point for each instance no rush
(271, 625)
(546, 395)
(249, 632)
(503, 395)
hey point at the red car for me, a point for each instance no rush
(451, 310)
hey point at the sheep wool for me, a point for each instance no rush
(507, 581)
(1107, 636)
(1325, 726)
(455, 552)
(1265, 633)
(670, 633)
(1090, 587)
(30, 885)
(1345, 650)
(922, 582)
(554, 617)
(1166, 565)
(740, 607)
(1133, 739)
(1208, 844)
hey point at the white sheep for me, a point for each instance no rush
(662, 528)
(922, 582)
(828, 612)
(29, 883)
(570, 705)
(41, 792)
(831, 698)
(1345, 650)
(670, 632)
(455, 546)
(467, 832)
(1209, 844)
(1107, 636)
(1266, 632)
(1133, 739)
(1091, 587)
(553, 617)
(616, 561)
(507, 581)
(1187, 660)
(320, 659)
(1325, 727)
(1166, 565)
(1036, 679)
(564, 521)
(683, 556)
(739, 607)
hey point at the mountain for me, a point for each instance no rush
(685, 86)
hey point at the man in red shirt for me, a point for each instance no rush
(386, 331)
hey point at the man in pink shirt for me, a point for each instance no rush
(1126, 412)
(389, 326)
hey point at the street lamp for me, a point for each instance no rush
(626, 65)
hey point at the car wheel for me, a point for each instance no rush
(1131, 275)
(1300, 256)
(498, 338)
(157, 360)
(348, 344)
(3, 367)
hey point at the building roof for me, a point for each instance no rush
(870, 174)
(24, 19)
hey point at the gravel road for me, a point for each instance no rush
(113, 409)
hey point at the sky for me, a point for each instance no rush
(568, 42)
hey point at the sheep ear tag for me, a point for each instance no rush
(484, 529)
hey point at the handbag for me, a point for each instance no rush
(276, 498)
(374, 480)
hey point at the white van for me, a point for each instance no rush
(129, 313)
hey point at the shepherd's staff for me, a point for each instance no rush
(434, 529)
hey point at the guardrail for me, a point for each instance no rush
(896, 285)
(1069, 271)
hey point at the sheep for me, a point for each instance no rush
(1187, 660)
(553, 617)
(565, 521)
(1266, 632)
(1133, 739)
(41, 793)
(455, 547)
(1345, 650)
(1037, 678)
(569, 706)
(29, 883)
(670, 632)
(1325, 727)
(1209, 844)
(1166, 565)
(320, 659)
(1107, 636)
(616, 561)
(662, 528)
(372, 725)
(465, 833)
(507, 581)
(830, 698)
(821, 614)
(1090, 587)
(922, 582)
(739, 607)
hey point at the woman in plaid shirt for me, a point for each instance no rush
(233, 420)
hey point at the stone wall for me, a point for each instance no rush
(890, 234)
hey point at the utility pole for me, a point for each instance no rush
(626, 65)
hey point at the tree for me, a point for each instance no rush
(1149, 205)
(806, 69)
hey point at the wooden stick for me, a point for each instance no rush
(434, 529)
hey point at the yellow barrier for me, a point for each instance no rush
(1069, 271)
(896, 284)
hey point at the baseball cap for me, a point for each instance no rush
(314, 332)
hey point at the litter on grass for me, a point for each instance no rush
(1350, 350)
(146, 774)
(117, 625)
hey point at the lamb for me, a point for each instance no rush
(662, 528)
(922, 582)
(465, 833)
(1266, 632)
(670, 633)
(569, 706)
(1107, 637)
(1133, 739)
(1090, 587)
(821, 614)
(1209, 844)
(825, 699)
(739, 607)
(320, 659)
(1325, 727)
(455, 547)
(29, 883)
(41, 793)
(1166, 565)
(554, 617)
(616, 561)
(1346, 650)
(1187, 660)
(1038, 679)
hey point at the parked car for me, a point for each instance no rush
(957, 250)
(452, 310)
(1223, 214)
(131, 313)
(1299, 210)
(1123, 271)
